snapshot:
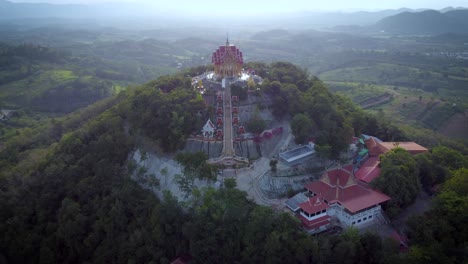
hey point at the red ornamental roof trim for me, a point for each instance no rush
(221, 55)
(313, 224)
(314, 205)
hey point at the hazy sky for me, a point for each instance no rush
(269, 6)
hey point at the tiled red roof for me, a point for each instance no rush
(340, 186)
(375, 149)
(411, 147)
(369, 170)
(316, 223)
(314, 205)
(221, 55)
(341, 177)
(359, 197)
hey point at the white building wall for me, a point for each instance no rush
(347, 220)
(362, 217)
(313, 217)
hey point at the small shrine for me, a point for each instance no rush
(208, 129)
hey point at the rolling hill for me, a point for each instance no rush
(426, 22)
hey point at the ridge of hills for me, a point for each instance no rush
(14, 11)
(426, 22)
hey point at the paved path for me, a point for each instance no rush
(228, 149)
(247, 180)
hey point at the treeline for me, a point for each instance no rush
(23, 147)
(166, 110)
(48, 80)
(67, 97)
(330, 120)
(19, 61)
(9, 53)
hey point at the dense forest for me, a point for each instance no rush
(48, 80)
(67, 193)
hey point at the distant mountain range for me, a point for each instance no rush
(426, 22)
(10, 10)
(398, 21)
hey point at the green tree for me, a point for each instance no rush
(239, 91)
(449, 158)
(440, 234)
(195, 167)
(398, 179)
(256, 124)
(230, 183)
(302, 128)
(273, 164)
(430, 172)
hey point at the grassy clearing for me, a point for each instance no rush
(61, 75)
(117, 88)
(19, 92)
(379, 73)
(358, 92)
(408, 105)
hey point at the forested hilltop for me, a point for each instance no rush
(37, 78)
(67, 193)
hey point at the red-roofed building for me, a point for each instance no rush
(228, 61)
(411, 147)
(377, 148)
(313, 215)
(369, 170)
(352, 202)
